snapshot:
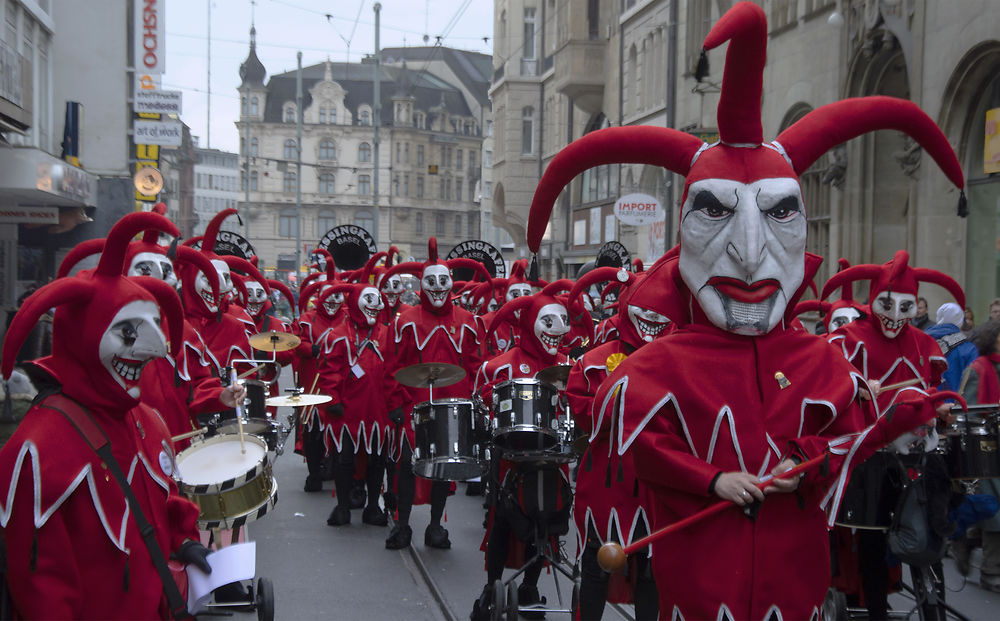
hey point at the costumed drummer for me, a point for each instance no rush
(352, 371)
(434, 331)
(542, 322)
(74, 548)
(609, 496)
(746, 397)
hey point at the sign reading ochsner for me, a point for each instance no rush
(638, 209)
(149, 40)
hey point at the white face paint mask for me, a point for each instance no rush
(894, 310)
(204, 291)
(648, 323)
(333, 302)
(370, 303)
(843, 316)
(256, 296)
(436, 283)
(155, 265)
(551, 325)
(742, 248)
(517, 290)
(492, 306)
(133, 339)
(392, 288)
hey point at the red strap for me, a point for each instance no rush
(76, 414)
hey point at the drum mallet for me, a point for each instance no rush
(611, 556)
(190, 434)
(239, 412)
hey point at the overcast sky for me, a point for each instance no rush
(318, 28)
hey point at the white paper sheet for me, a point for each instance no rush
(232, 563)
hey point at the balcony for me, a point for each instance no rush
(579, 73)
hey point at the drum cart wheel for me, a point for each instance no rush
(498, 610)
(574, 601)
(264, 600)
(835, 606)
(511, 601)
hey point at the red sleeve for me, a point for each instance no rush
(333, 369)
(581, 387)
(204, 390)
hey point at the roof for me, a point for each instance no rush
(473, 69)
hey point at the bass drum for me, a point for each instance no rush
(447, 440)
(872, 493)
(970, 449)
(525, 415)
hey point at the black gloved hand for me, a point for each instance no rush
(315, 350)
(396, 416)
(336, 409)
(192, 552)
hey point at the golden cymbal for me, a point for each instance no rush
(425, 374)
(297, 400)
(274, 341)
(556, 375)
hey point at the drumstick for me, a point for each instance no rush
(190, 434)
(312, 407)
(611, 555)
(239, 413)
(904, 384)
(251, 371)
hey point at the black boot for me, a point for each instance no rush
(340, 516)
(527, 595)
(436, 536)
(482, 608)
(375, 516)
(358, 493)
(399, 538)
(314, 483)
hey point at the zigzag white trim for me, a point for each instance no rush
(602, 367)
(420, 346)
(773, 610)
(724, 413)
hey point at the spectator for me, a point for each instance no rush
(995, 309)
(921, 321)
(970, 322)
(958, 350)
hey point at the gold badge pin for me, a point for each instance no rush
(782, 380)
(613, 361)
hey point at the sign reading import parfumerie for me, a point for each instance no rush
(638, 209)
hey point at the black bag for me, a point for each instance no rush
(920, 527)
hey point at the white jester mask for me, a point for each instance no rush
(370, 303)
(256, 297)
(392, 288)
(333, 302)
(741, 250)
(152, 264)
(648, 323)
(843, 316)
(133, 339)
(204, 289)
(551, 325)
(436, 284)
(517, 290)
(493, 305)
(893, 311)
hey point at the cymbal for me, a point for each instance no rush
(297, 400)
(425, 374)
(556, 374)
(274, 341)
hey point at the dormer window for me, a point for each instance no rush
(365, 115)
(289, 113)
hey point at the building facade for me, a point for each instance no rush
(433, 109)
(564, 68)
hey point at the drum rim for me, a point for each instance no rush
(254, 514)
(262, 465)
(525, 381)
(444, 401)
(427, 466)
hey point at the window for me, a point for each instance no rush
(254, 106)
(364, 152)
(419, 223)
(243, 104)
(488, 189)
(325, 221)
(322, 115)
(243, 180)
(288, 223)
(420, 186)
(488, 158)
(399, 152)
(289, 183)
(290, 151)
(332, 116)
(364, 184)
(441, 190)
(527, 130)
(254, 177)
(326, 184)
(290, 113)
(458, 224)
(489, 128)
(439, 224)
(406, 153)
(254, 147)
(420, 120)
(472, 159)
(365, 220)
(395, 185)
(472, 231)
(327, 149)
(529, 33)
(406, 185)
(366, 117)
(458, 160)
(458, 189)
(449, 152)
(420, 155)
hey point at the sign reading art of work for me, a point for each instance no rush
(638, 209)
(350, 246)
(480, 251)
(163, 133)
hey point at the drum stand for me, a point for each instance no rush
(283, 429)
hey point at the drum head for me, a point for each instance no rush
(220, 463)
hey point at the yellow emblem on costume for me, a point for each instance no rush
(613, 361)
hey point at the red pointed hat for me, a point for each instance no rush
(740, 154)
(895, 275)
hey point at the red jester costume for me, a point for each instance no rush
(746, 396)
(434, 331)
(74, 549)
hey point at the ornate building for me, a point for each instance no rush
(433, 113)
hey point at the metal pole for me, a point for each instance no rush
(378, 119)
(208, 85)
(298, 170)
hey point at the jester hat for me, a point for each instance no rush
(895, 275)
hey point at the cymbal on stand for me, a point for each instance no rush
(425, 374)
(274, 341)
(297, 400)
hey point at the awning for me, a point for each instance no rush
(30, 177)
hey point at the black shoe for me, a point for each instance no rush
(399, 538)
(390, 502)
(436, 536)
(232, 593)
(374, 516)
(314, 483)
(474, 488)
(527, 595)
(482, 608)
(340, 516)
(359, 495)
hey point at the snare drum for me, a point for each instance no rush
(267, 429)
(971, 449)
(447, 440)
(231, 487)
(872, 493)
(525, 415)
